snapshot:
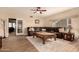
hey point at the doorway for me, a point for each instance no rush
(12, 27)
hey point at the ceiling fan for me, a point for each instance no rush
(38, 10)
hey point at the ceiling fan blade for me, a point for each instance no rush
(38, 7)
(40, 12)
(43, 10)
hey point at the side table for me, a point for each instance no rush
(69, 36)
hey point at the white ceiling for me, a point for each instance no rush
(27, 10)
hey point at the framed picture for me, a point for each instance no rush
(37, 21)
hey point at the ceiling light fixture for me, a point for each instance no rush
(38, 10)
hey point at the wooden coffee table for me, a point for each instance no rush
(45, 35)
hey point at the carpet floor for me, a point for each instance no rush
(59, 45)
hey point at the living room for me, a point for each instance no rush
(49, 19)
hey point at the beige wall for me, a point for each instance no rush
(28, 22)
(66, 14)
(73, 14)
(75, 23)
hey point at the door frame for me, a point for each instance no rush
(17, 26)
(8, 26)
(7, 29)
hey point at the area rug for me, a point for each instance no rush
(59, 45)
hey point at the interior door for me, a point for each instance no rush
(19, 27)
